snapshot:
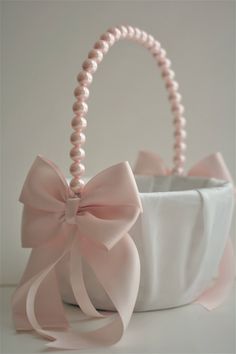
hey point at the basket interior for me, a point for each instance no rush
(152, 184)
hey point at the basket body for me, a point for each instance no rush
(180, 237)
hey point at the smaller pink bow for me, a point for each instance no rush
(56, 223)
(213, 166)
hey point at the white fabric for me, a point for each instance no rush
(180, 238)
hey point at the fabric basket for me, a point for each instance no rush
(126, 240)
(180, 237)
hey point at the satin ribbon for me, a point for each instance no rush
(56, 223)
(213, 166)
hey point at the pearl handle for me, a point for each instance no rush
(85, 78)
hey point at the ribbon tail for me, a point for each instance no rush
(217, 294)
(118, 271)
(46, 302)
(77, 282)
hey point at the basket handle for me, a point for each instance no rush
(81, 93)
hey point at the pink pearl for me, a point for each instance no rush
(81, 92)
(108, 37)
(175, 106)
(80, 108)
(162, 60)
(77, 138)
(149, 42)
(77, 169)
(180, 147)
(77, 185)
(90, 66)
(179, 122)
(171, 85)
(96, 55)
(144, 37)
(167, 74)
(161, 56)
(79, 122)
(175, 96)
(130, 32)
(102, 45)
(178, 109)
(85, 78)
(115, 31)
(137, 33)
(180, 135)
(155, 49)
(166, 64)
(123, 31)
(76, 153)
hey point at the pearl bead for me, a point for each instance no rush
(179, 122)
(79, 122)
(109, 38)
(85, 78)
(162, 53)
(102, 45)
(123, 31)
(165, 64)
(161, 59)
(77, 185)
(149, 42)
(180, 147)
(77, 138)
(96, 55)
(155, 49)
(167, 74)
(81, 92)
(80, 108)
(144, 37)
(180, 136)
(90, 66)
(178, 109)
(137, 33)
(77, 169)
(171, 85)
(76, 153)
(115, 32)
(175, 97)
(130, 32)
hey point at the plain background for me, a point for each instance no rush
(43, 46)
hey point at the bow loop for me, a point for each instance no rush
(45, 187)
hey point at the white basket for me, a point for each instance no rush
(180, 237)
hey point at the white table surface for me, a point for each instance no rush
(188, 329)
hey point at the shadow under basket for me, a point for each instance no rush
(180, 237)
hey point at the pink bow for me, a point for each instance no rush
(213, 166)
(95, 227)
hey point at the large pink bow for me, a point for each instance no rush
(94, 228)
(213, 166)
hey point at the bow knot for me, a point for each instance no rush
(71, 209)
